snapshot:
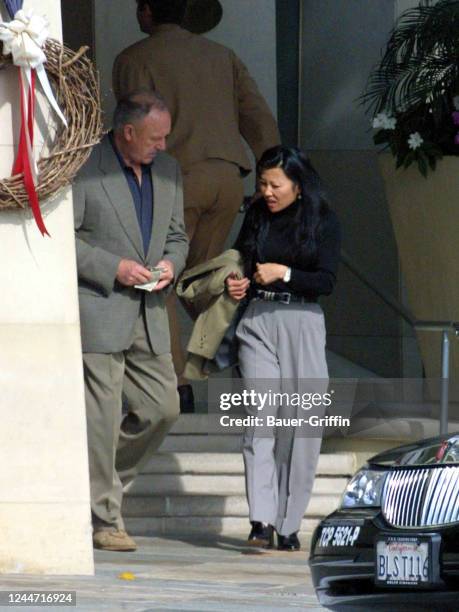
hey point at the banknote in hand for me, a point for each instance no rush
(154, 280)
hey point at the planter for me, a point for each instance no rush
(425, 217)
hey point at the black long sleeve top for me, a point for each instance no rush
(309, 280)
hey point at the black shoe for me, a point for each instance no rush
(186, 398)
(261, 535)
(290, 542)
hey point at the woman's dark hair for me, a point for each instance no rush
(308, 214)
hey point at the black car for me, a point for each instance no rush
(394, 542)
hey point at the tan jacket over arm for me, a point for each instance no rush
(204, 286)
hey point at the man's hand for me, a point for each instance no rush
(269, 273)
(167, 276)
(131, 273)
(237, 287)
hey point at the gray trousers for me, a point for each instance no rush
(281, 347)
(119, 447)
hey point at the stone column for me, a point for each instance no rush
(45, 522)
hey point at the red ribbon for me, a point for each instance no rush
(23, 162)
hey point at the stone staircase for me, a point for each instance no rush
(195, 485)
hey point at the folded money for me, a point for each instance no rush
(154, 280)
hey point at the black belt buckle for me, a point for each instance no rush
(285, 297)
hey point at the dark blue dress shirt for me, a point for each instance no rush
(142, 196)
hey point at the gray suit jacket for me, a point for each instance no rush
(107, 230)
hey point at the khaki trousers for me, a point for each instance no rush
(213, 193)
(119, 448)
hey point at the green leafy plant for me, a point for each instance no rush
(412, 93)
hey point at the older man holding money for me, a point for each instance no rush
(131, 245)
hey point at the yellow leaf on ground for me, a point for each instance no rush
(126, 576)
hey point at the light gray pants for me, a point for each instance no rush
(119, 448)
(281, 347)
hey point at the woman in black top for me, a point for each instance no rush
(290, 242)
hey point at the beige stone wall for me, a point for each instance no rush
(44, 488)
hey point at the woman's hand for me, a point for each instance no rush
(268, 273)
(237, 287)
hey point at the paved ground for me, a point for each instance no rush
(171, 574)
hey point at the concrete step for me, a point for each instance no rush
(190, 493)
(201, 433)
(199, 484)
(203, 424)
(210, 506)
(199, 443)
(204, 526)
(340, 367)
(373, 415)
(337, 464)
(402, 429)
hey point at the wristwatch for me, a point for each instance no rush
(287, 275)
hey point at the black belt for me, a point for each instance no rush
(282, 296)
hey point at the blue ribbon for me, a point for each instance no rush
(13, 6)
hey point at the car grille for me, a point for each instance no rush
(421, 497)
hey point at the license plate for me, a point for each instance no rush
(407, 561)
(340, 536)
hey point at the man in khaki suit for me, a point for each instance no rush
(128, 217)
(213, 102)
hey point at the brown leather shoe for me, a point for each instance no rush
(113, 539)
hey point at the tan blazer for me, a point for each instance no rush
(107, 230)
(204, 287)
(212, 98)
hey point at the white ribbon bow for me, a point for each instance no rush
(24, 38)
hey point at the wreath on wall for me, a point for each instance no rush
(76, 103)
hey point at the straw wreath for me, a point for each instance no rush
(76, 87)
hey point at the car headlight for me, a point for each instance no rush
(364, 489)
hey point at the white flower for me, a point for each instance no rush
(384, 121)
(415, 140)
(390, 123)
(456, 102)
(377, 121)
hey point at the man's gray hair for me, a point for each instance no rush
(137, 105)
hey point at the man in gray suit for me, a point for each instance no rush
(128, 204)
